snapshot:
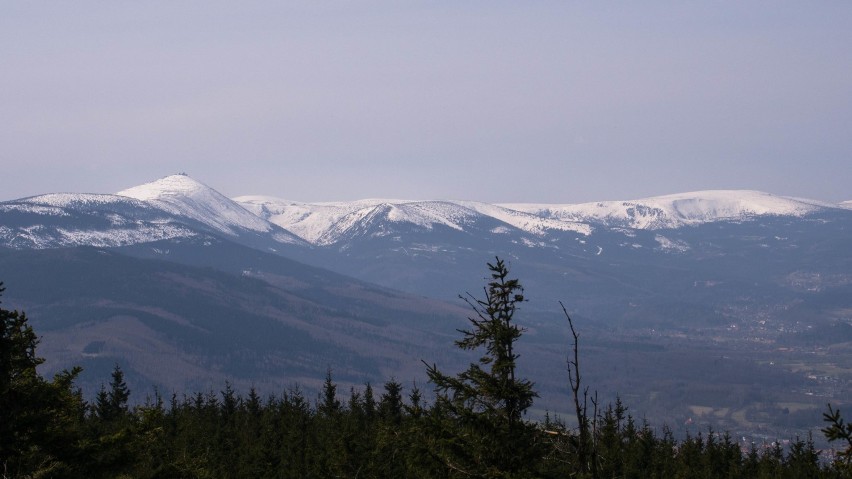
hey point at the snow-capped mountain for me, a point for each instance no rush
(332, 223)
(329, 223)
(426, 246)
(183, 196)
(673, 211)
(172, 208)
(178, 206)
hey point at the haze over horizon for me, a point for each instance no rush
(484, 101)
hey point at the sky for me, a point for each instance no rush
(545, 101)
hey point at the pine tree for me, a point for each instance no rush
(479, 412)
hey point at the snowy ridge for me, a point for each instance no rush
(303, 219)
(525, 221)
(425, 214)
(177, 206)
(80, 200)
(183, 196)
(40, 238)
(329, 223)
(672, 211)
(32, 208)
(58, 204)
(85, 220)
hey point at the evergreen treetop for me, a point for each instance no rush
(479, 421)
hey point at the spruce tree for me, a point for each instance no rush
(112, 405)
(40, 421)
(841, 432)
(478, 422)
(19, 382)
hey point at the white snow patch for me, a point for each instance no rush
(533, 244)
(121, 237)
(630, 233)
(667, 244)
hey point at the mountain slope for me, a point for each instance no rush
(60, 220)
(191, 327)
(330, 223)
(673, 211)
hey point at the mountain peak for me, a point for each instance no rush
(179, 184)
(182, 195)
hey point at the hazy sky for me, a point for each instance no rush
(540, 101)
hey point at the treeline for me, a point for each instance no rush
(372, 434)
(475, 427)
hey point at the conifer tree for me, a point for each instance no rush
(40, 421)
(329, 405)
(841, 432)
(390, 403)
(331, 454)
(390, 438)
(112, 452)
(18, 381)
(479, 412)
(112, 405)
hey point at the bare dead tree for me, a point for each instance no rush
(586, 427)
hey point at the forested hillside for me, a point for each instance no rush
(476, 427)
